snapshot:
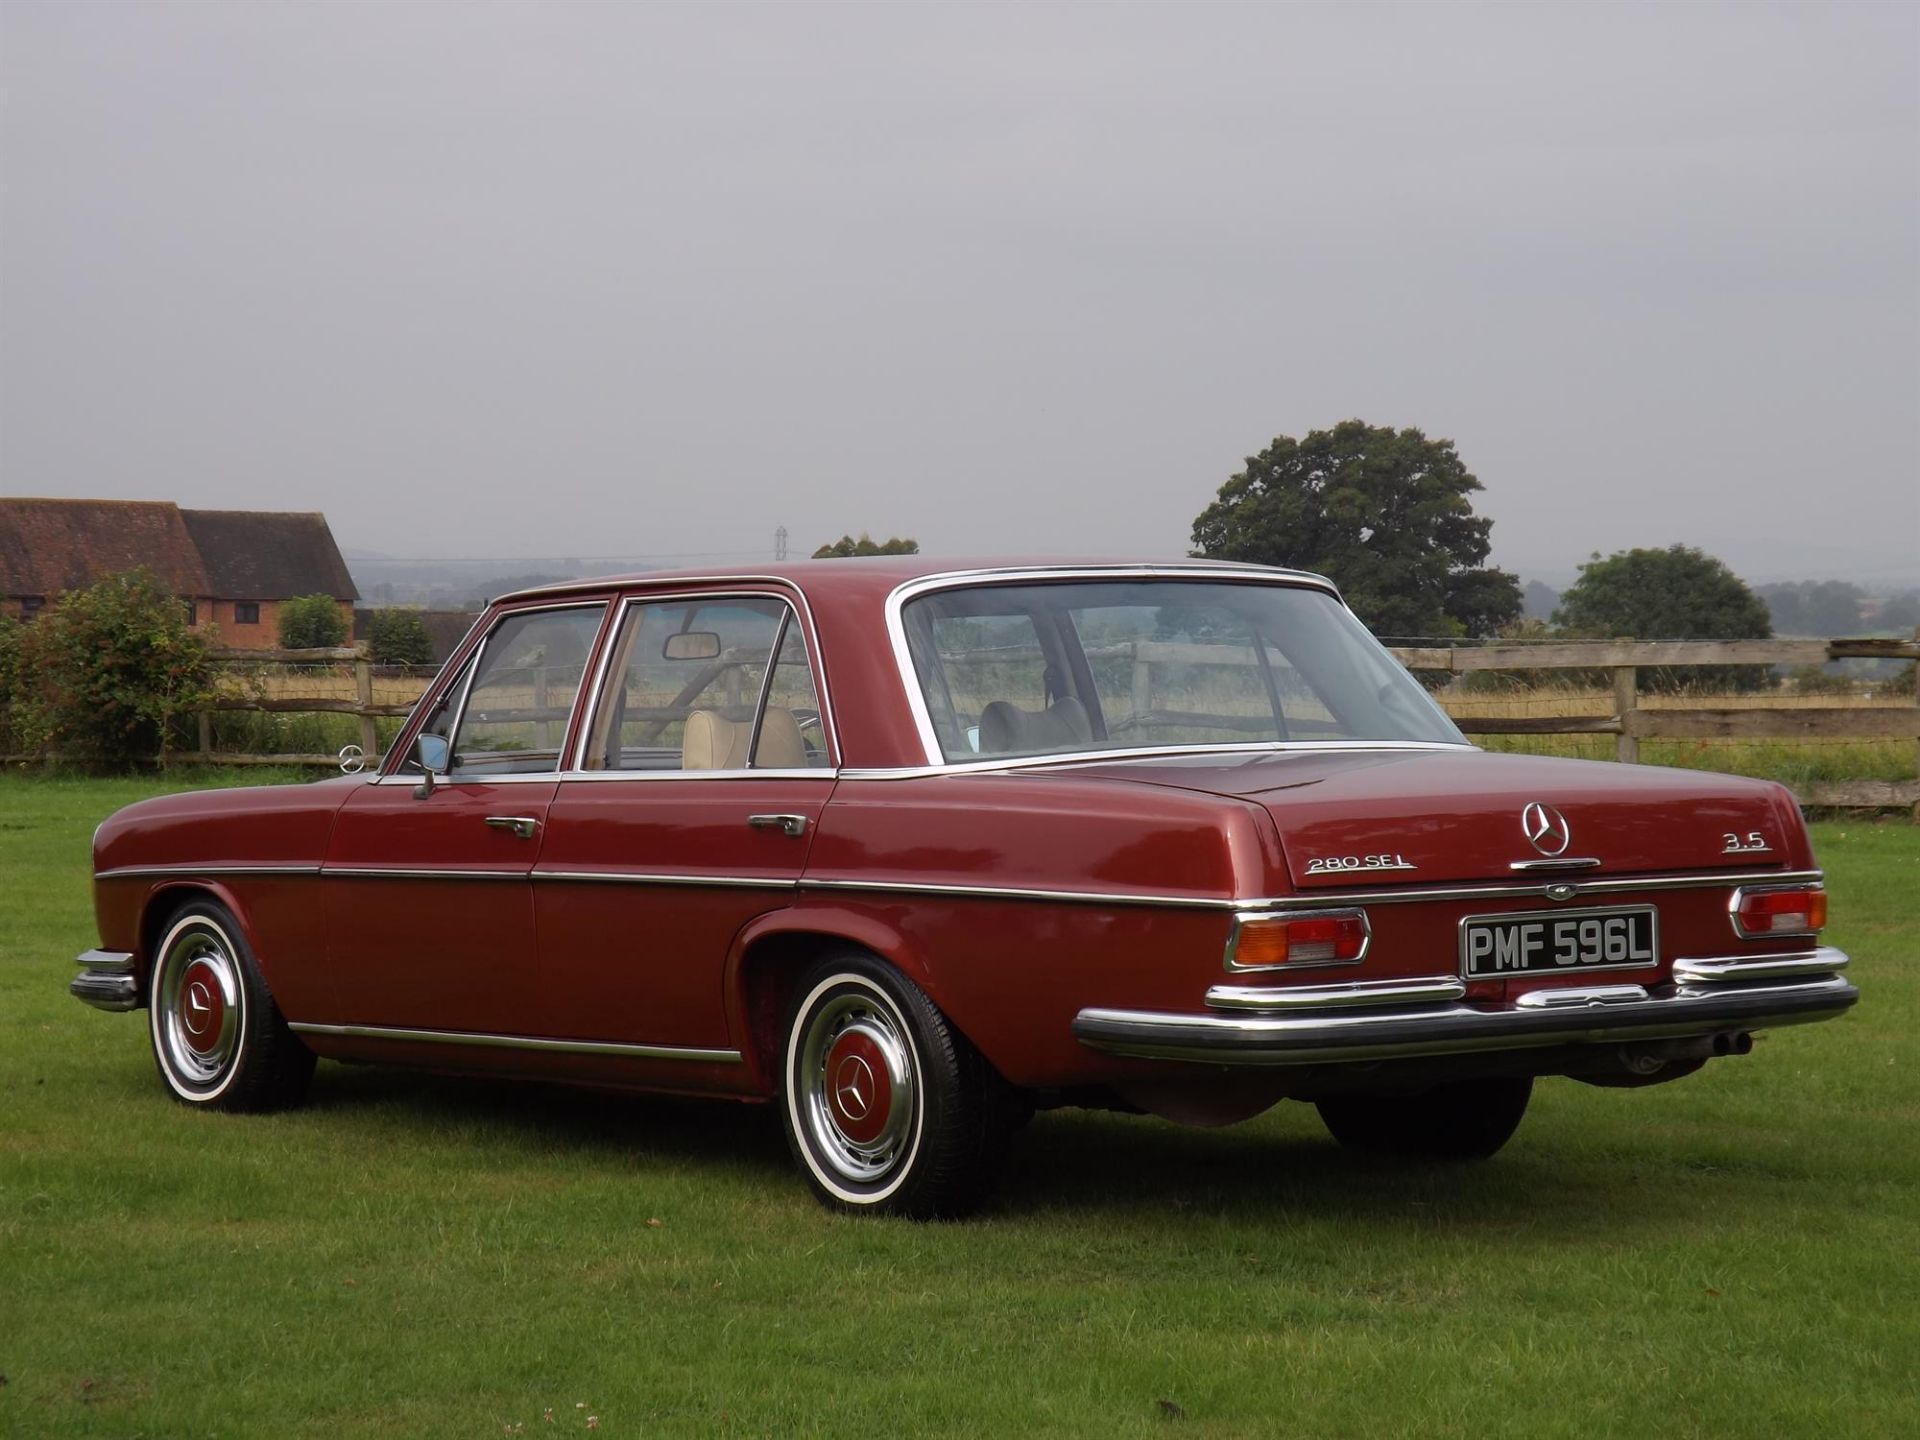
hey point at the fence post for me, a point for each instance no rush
(1626, 679)
(206, 734)
(1142, 686)
(363, 692)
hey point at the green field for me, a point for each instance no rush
(1736, 1254)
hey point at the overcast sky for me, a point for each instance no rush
(565, 279)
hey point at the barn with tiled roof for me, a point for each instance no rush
(231, 567)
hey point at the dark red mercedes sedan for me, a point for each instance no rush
(909, 850)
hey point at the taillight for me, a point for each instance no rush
(1789, 910)
(1318, 937)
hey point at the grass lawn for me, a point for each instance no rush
(1736, 1254)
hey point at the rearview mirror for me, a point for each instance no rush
(692, 645)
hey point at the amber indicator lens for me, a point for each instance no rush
(1303, 940)
(1782, 912)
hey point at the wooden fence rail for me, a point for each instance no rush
(1629, 722)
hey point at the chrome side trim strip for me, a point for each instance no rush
(1001, 892)
(405, 872)
(1731, 969)
(597, 877)
(1426, 990)
(1699, 880)
(1317, 900)
(146, 872)
(522, 1042)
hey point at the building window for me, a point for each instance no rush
(192, 609)
(32, 605)
(246, 612)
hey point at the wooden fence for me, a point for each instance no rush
(1629, 720)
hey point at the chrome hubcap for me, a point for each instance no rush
(197, 1007)
(856, 1086)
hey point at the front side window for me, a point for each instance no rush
(709, 684)
(1075, 666)
(513, 717)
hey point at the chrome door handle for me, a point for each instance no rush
(795, 825)
(522, 826)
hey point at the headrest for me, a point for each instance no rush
(1007, 729)
(781, 744)
(713, 742)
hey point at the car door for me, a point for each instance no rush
(701, 776)
(429, 906)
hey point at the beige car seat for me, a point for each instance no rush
(713, 742)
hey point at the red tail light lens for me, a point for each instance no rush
(1323, 937)
(1795, 910)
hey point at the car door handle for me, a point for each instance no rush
(795, 825)
(522, 826)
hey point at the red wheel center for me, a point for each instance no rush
(202, 1006)
(858, 1088)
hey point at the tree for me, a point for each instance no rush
(1679, 593)
(1813, 607)
(398, 636)
(1383, 513)
(104, 674)
(312, 622)
(847, 546)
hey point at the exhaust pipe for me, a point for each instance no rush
(1733, 1043)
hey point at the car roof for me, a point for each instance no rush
(893, 570)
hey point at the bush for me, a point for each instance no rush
(312, 622)
(101, 677)
(399, 637)
(10, 629)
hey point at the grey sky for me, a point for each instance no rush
(595, 279)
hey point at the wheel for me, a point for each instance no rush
(218, 1038)
(887, 1107)
(1461, 1120)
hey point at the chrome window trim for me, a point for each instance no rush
(461, 656)
(521, 1042)
(1145, 752)
(783, 591)
(574, 711)
(1733, 912)
(909, 677)
(1245, 917)
(598, 777)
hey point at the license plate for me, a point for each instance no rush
(1559, 942)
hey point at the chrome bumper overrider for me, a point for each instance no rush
(106, 981)
(1400, 1019)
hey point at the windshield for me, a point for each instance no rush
(1071, 666)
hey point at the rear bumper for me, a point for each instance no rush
(106, 981)
(1404, 1019)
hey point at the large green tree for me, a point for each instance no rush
(1384, 513)
(1678, 593)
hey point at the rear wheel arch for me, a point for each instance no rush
(768, 961)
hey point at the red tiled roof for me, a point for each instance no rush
(47, 546)
(269, 554)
